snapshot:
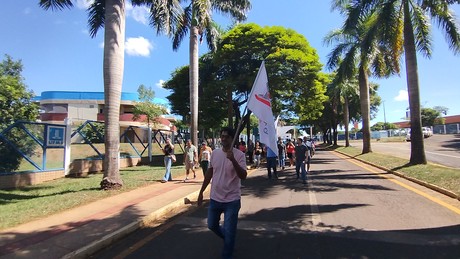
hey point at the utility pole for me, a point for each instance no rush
(384, 117)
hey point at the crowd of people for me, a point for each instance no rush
(227, 165)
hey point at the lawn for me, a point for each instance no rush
(38, 201)
(444, 177)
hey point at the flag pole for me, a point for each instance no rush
(239, 124)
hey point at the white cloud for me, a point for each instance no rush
(83, 4)
(138, 47)
(402, 96)
(140, 14)
(160, 83)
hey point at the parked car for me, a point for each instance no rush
(427, 132)
(408, 135)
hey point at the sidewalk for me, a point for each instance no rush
(79, 232)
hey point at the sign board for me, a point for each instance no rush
(55, 136)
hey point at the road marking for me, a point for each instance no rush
(371, 169)
(315, 215)
(437, 154)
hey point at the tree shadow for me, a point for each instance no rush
(454, 143)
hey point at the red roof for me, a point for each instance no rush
(448, 120)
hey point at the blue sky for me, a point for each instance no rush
(59, 55)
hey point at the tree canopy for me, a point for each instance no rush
(296, 85)
(146, 106)
(15, 99)
(16, 104)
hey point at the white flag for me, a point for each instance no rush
(260, 104)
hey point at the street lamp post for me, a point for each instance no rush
(384, 117)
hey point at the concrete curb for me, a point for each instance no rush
(428, 185)
(153, 219)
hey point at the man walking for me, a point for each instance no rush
(300, 157)
(226, 169)
(191, 158)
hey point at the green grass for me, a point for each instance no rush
(444, 177)
(38, 201)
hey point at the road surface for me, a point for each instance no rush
(347, 210)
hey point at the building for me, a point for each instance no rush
(451, 125)
(56, 106)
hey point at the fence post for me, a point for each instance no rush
(68, 137)
(149, 134)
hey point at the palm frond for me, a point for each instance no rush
(421, 25)
(182, 28)
(96, 17)
(164, 14)
(237, 9)
(446, 20)
(55, 4)
(212, 32)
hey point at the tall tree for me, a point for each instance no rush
(356, 53)
(15, 104)
(405, 26)
(197, 19)
(110, 14)
(147, 107)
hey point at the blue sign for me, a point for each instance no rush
(55, 137)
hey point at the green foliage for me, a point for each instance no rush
(293, 68)
(296, 84)
(15, 100)
(441, 109)
(146, 107)
(15, 104)
(94, 132)
(430, 116)
(383, 126)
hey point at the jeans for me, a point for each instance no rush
(271, 164)
(228, 231)
(300, 167)
(204, 166)
(168, 163)
(257, 160)
(282, 161)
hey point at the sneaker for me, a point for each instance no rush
(163, 181)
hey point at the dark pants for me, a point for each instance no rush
(204, 166)
(251, 156)
(271, 164)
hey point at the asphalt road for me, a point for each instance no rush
(439, 149)
(347, 210)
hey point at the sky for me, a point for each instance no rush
(59, 55)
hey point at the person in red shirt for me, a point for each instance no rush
(290, 150)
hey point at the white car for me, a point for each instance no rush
(426, 131)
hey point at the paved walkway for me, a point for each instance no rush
(79, 232)
(82, 231)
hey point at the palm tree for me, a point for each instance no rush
(197, 18)
(355, 54)
(111, 15)
(404, 25)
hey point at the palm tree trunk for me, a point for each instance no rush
(417, 151)
(346, 121)
(365, 109)
(193, 77)
(114, 39)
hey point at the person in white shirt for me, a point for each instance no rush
(226, 169)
